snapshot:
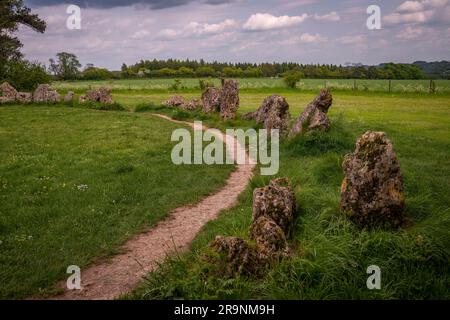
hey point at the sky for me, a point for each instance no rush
(305, 31)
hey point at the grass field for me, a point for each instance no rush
(76, 183)
(332, 254)
(400, 86)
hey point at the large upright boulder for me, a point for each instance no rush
(45, 94)
(211, 100)
(314, 116)
(7, 93)
(273, 113)
(372, 189)
(101, 95)
(276, 201)
(229, 99)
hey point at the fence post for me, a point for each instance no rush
(389, 85)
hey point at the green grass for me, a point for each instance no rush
(399, 86)
(76, 183)
(331, 254)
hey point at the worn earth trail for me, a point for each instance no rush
(120, 274)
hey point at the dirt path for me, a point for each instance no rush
(123, 272)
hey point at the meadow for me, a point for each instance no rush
(399, 86)
(76, 183)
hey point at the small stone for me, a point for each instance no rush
(269, 237)
(174, 101)
(372, 189)
(24, 97)
(69, 96)
(194, 104)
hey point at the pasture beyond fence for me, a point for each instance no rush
(393, 86)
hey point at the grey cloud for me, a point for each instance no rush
(154, 4)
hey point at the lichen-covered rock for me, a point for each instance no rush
(101, 95)
(211, 100)
(24, 97)
(174, 101)
(7, 93)
(269, 237)
(273, 113)
(194, 104)
(69, 96)
(229, 99)
(314, 116)
(239, 257)
(277, 202)
(372, 189)
(44, 93)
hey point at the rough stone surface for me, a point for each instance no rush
(277, 202)
(194, 104)
(174, 101)
(101, 95)
(211, 100)
(273, 113)
(372, 189)
(229, 99)
(314, 116)
(240, 258)
(44, 93)
(69, 96)
(7, 93)
(24, 97)
(269, 237)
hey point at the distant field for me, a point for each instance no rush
(418, 86)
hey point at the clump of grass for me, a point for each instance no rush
(115, 106)
(148, 107)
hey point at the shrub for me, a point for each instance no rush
(205, 83)
(291, 78)
(146, 107)
(26, 75)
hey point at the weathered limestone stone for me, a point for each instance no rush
(314, 116)
(7, 93)
(69, 96)
(101, 95)
(276, 202)
(239, 257)
(24, 97)
(269, 237)
(174, 101)
(211, 100)
(229, 99)
(44, 93)
(194, 104)
(372, 189)
(273, 113)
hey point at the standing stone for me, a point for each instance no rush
(211, 100)
(277, 202)
(372, 189)
(69, 96)
(44, 93)
(314, 116)
(273, 113)
(24, 97)
(7, 93)
(102, 95)
(229, 99)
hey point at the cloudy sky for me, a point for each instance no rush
(306, 31)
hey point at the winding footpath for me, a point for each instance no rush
(142, 253)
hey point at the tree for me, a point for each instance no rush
(94, 73)
(12, 14)
(67, 67)
(291, 78)
(25, 75)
